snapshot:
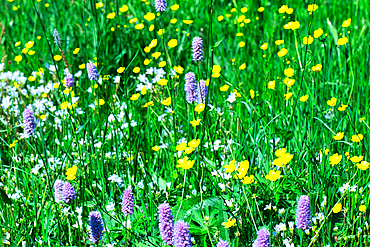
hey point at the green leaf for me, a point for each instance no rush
(5, 197)
(333, 30)
(222, 217)
(287, 134)
(218, 42)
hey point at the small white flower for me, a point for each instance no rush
(65, 210)
(78, 74)
(110, 207)
(140, 184)
(291, 225)
(115, 178)
(168, 185)
(267, 207)
(231, 97)
(222, 186)
(117, 79)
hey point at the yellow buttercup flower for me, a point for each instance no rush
(136, 70)
(224, 88)
(111, 15)
(335, 159)
(273, 175)
(120, 70)
(264, 46)
(287, 96)
(71, 173)
(242, 169)
(251, 92)
(317, 33)
(289, 72)
(230, 222)
(175, 7)
(342, 41)
(135, 97)
(343, 107)
(307, 40)
(337, 208)
(172, 43)
(156, 148)
(29, 44)
(194, 143)
(194, 122)
(332, 101)
(356, 159)
(166, 102)
(199, 108)
(289, 82)
(279, 42)
(139, 26)
(271, 85)
(57, 57)
(312, 7)
(64, 105)
(162, 64)
(216, 69)
(156, 54)
(282, 52)
(181, 146)
(364, 165)
(339, 136)
(243, 66)
(163, 82)
(357, 138)
(185, 163)
(188, 150)
(347, 23)
(248, 180)
(149, 16)
(230, 167)
(188, 21)
(317, 68)
(289, 11)
(303, 98)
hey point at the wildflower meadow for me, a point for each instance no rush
(204, 123)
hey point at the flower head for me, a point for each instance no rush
(229, 223)
(166, 223)
(29, 122)
(202, 92)
(58, 190)
(335, 159)
(56, 36)
(222, 243)
(181, 234)
(190, 87)
(197, 46)
(128, 202)
(303, 219)
(69, 80)
(263, 239)
(69, 194)
(160, 5)
(92, 71)
(96, 227)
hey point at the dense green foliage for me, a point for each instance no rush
(279, 123)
